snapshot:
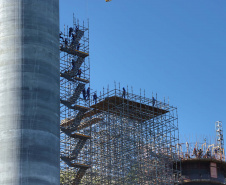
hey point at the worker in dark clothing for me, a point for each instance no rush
(70, 31)
(153, 101)
(79, 73)
(95, 98)
(88, 93)
(84, 93)
(208, 153)
(200, 153)
(123, 92)
(78, 46)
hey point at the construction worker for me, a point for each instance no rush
(88, 93)
(79, 73)
(194, 152)
(153, 101)
(70, 31)
(84, 93)
(208, 153)
(95, 98)
(123, 92)
(200, 153)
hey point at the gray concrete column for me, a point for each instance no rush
(29, 92)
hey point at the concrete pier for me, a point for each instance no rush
(29, 92)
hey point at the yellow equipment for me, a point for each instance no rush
(107, 0)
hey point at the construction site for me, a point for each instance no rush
(119, 137)
(58, 130)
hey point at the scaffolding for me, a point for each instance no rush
(134, 140)
(75, 101)
(121, 138)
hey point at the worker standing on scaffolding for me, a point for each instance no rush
(70, 31)
(88, 93)
(195, 152)
(95, 98)
(123, 92)
(200, 153)
(153, 101)
(208, 153)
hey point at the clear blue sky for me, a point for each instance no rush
(175, 48)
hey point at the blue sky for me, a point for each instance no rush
(175, 48)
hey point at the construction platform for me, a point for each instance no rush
(129, 108)
(72, 51)
(118, 105)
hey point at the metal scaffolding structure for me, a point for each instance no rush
(134, 140)
(120, 138)
(75, 101)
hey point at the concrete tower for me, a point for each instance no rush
(29, 92)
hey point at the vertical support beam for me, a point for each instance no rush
(29, 92)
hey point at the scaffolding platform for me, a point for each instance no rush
(74, 52)
(71, 77)
(69, 122)
(80, 136)
(74, 135)
(131, 109)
